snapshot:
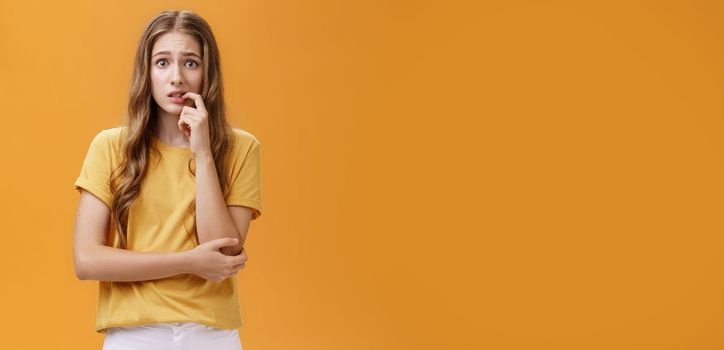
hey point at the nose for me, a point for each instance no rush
(176, 77)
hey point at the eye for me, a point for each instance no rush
(194, 63)
(159, 60)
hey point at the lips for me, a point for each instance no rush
(177, 100)
(176, 93)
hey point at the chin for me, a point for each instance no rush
(173, 109)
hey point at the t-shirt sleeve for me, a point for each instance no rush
(95, 173)
(245, 189)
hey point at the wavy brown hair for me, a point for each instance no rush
(141, 120)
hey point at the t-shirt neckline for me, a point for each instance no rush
(168, 148)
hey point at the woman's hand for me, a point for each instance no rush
(194, 122)
(207, 262)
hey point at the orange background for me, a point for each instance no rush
(436, 174)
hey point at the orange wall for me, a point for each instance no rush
(436, 175)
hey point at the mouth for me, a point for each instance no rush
(176, 94)
(176, 98)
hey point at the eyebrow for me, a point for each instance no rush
(185, 53)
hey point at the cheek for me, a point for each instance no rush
(155, 79)
(157, 87)
(196, 80)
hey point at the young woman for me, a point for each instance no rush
(166, 200)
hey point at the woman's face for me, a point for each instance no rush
(175, 66)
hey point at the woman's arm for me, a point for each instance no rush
(103, 263)
(94, 260)
(213, 219)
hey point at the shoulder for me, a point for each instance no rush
(109, 139)
(244, 146)
(243, 135)
(109, 134)
(243, 140)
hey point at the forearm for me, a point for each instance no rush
(213, 219)
(105, 263)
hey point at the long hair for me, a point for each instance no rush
(140, 123)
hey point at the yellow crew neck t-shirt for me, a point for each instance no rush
(160, 221)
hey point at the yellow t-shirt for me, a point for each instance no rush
(156, 224)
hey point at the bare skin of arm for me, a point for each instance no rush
(94, 259)
(214, 218)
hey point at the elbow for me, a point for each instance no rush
(80, 273)
(232, 250)
(81, 267)
(235, 249)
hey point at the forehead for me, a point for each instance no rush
(176, 42)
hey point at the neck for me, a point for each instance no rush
(167, 130)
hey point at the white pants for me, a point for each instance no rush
(171, 336)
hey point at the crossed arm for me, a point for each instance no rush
(213, 218)
(95, 259)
